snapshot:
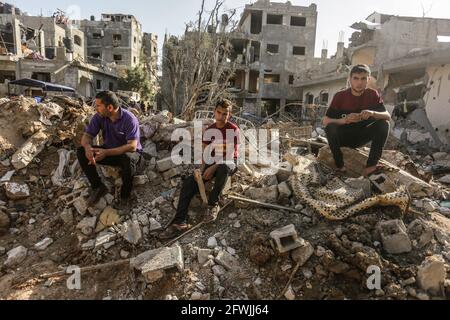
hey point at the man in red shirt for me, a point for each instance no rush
(221, 142)
(356, 117)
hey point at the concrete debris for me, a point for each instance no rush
(445, 179)
(286, 239)
(158, 261)
(203, 256)
(7, 177)
(290, 295)
(302, 254)
(44, 244)
(212, 242)
(269, 195)
(17, 191)
(394, 237)
(164, 164)
(87, 225)
(32, 148)
(16, 256)
(432, 274)
(131, 232)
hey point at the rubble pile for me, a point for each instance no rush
(265, 234)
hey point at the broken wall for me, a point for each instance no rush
(398, 37)
(437, 98)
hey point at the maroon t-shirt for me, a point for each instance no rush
(222, 142)
(344, 102)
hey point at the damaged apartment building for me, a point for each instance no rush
(118, 39)
(273, 43)
(50, 49)
(410, 60)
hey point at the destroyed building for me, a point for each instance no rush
(49, 49)
(150, 49)
(273, 44)
(115, 39)
(408, 59)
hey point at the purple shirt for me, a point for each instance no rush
(116, 134)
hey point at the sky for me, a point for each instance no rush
(161, 16)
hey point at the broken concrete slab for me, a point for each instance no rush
(150, 150)
(164, 164)
(356, 162)
(29, 150)
(131, 232)
(17, 191)
(268, 195)
(394, 237)
(158, 260)
(16, 256)
(44, 244)
(286, 239)
(431, 275)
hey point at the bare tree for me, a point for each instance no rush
(197, 64)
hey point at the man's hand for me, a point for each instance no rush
(367, 114)
(353, 118)
(89, 152)
(209, 173)
(100, 154)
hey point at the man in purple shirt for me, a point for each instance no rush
(121, 148)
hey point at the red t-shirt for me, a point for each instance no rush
(344, 102)
(221, 144)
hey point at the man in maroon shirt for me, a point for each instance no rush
(356, 117)
(219, 161)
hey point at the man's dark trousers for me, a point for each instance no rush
(357, 135)
(128, 164)
(190, 189)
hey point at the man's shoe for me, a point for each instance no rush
(211, 214)
(97, 194)
(124, 205)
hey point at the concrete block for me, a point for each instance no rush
(431, 275)
(394, 237)
(164, 164)
(286, 239)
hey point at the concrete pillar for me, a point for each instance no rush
(247, 80)
(264, 18)
(282, 105)
(17, 39)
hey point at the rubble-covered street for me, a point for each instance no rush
(250, 252)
